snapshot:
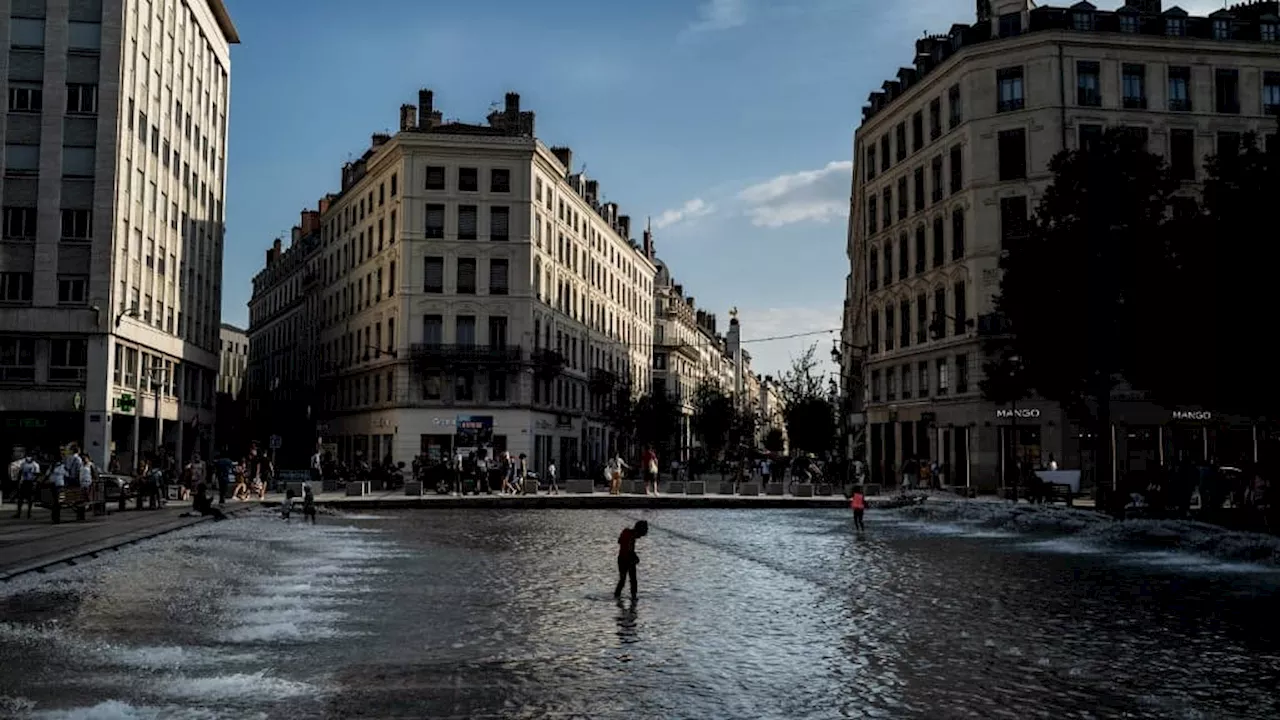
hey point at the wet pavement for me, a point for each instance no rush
(742, 614)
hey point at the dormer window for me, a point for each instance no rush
(1221, 29)
(956, 40)
(1011, 24)
(1175, 27)
(1129, 23)
(1268, 32)
(1082, 20)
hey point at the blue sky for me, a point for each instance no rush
(728, 122)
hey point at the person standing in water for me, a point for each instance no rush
(859, 505)
(627, 558)
(308, 505)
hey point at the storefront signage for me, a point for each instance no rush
(1192, 415)
(1020, 414)
(475, 423)
(443, 422)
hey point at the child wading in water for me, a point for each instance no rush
(627, 558)
(859, 505)
(308, 504)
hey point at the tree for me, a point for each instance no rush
(775, 441)
(657, 418)
(807, 407)
(1075, 283)
(714, 417)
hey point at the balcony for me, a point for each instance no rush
(547, 364)
(603, 381)
(443, 357)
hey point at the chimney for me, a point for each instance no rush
(565, 156)
(513, 105)
(295, 235)
(408, 117)
(324, 204)
(426, 104)
(648, 244)
(310, 221)
(379, 139)
(624, 226)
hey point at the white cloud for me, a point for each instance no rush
(719, 15)
(774, 357)
(695, 208)
(808, 196)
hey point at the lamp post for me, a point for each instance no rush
(157, 388)
(1015, 369)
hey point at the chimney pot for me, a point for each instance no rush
(426, 105)
(513, 104)
(408, 117)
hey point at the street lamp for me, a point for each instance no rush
(377, 352)
(1015, 369)
(131, 312)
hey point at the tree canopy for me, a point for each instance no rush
(807, 407)
(657, 418)
(714, 417)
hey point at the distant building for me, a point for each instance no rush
(115, 147)
(233, 359)
(950, 159)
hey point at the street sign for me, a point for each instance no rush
(275, 442)
(77, 401)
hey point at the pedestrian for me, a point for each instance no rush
(317, 462)
(286, 507)
(627, 558)
(28, 471)
(308, 504)
(522, 472)
(859, 505)
(613, 471)
(650, 464)
(552, 471)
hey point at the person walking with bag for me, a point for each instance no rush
(650, 464)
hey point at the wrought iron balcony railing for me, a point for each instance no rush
(431, 355)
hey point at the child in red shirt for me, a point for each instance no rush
(627, 558)
(859, 505)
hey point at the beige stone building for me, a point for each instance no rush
(473, 291)
(233, 359)
(952, 157)
(115, 147)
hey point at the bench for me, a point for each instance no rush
(1061, 491)
(55, 499)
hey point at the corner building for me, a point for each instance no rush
(950, 161)
(115, 147)
(476, 293)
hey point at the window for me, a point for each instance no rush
(887, 211)
(904, 320)
(435, 177)
(875, 386)
(888, 263)
(943, 381)
(1010, 24)
(935, 118)
(499, 222)
(465, 330)
(1226, 90)
(1082, 20)
(1267, 32)
(78, 162)
(1013, 219)
(902, 198)
(885, 157)
(72, 289)
(872, 217)
(497, 386)
(875, 332)
(871, 162)
(19, 223)
(25, 97)
(957, 170)
(936, 172)
(467, 215)
(888, 328)
(1133, 80)
(1271, 93)
(1010, 85)
(1012, 149)
(873, 269)
(1228, 144)
(466, 276)
(906, 381)
(15, 287)
(904, 259)
(26, 32)
(939, 243)
(957, 235)
(435, 222)
(1179, 89)
(922, 319)
(960, 311)
(17, 359)
(1089, 136)
(917, 131)
(921, 250)
(1175, 26)
(962, 373)
(890, 385)
(499, 271)
(919, 189)
(499, 180)
(21, 159)
(1088, 92)
(923, 376)
(433, 330)
(953, 104)
(1221, 29)
(82, 99)
(392, 280)
(1129, 22)
(939, 328)
(468, 180)
(1182, 154)
(433, 275)
(395, 184)
(900, 140)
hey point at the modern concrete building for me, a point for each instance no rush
(951, 158)
(285, 321)
(233, 359)
(473, 292)
(115, 145)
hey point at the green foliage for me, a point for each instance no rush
(657, 418)
(775, 441)
(807, 405)
(714, 417)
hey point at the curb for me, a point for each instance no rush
(113, 545)
(583, 502)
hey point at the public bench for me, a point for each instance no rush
(72, 498)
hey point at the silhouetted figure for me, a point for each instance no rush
(627, 558)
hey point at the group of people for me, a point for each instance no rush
(75, 469)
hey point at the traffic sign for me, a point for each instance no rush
(275, 442)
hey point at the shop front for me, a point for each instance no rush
(1025, 438)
